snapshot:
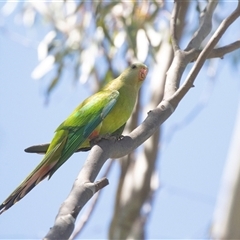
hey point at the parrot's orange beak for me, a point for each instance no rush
(143, 73)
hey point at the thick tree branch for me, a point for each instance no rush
(80, 193)
(83, 189)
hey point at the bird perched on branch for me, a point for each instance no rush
(104, 113)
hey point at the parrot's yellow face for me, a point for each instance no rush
(141, 69)
(136, 73)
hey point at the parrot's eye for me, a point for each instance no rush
(133, 66)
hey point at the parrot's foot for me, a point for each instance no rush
(120, 137)
(107, 137)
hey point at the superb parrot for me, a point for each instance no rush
(104, 113)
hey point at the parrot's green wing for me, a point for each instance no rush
(82, 122)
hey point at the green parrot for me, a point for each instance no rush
(104, 113)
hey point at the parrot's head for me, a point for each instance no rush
(135, 74)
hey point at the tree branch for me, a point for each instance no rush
(173, 23)
(83, 189)
(182, 58)
(84, 218)
(221, 51)
(80, 193)
(204, 28)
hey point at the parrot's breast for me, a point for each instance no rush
(120, 112)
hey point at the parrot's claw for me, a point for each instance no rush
(106, 137)
(120, 137)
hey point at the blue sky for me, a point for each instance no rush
(190, 165)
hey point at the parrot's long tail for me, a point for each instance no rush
(38, 174)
